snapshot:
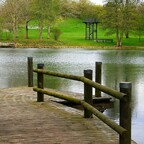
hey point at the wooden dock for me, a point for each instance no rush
(24, 121)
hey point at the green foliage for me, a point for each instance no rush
(56, 32)
(139, 29)
(72, 33)
(120, 18)
(34, 20)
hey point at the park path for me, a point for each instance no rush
(24, 121)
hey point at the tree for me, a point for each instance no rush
(69, 8)
(27, 15)
(130, 11)
(96, 11)
(79, 9)
(1, 21)
(13, 14)
(45, 12)
(84, 8)
(119, 18)
(112, 20)
(140, 20)
(53, 16)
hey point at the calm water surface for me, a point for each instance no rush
(117, 66)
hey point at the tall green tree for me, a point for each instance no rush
(45, 11)
(119, 18)
(140, 20)
(130, 15)
(27, 15)
(53, 16)
(13, 14)
(113, 20)
(39, 10)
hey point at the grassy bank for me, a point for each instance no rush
(72, 35)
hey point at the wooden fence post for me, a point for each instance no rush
(88, 93)
(40, 83)
(30, 71)
(125, 112)
(98, 66)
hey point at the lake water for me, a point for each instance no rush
(117, 66)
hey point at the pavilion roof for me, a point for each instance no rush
(91, 20)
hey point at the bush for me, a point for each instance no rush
(57, 32)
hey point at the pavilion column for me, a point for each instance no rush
(86, 31)
(96, 31)
(93, 31)
(89, 31)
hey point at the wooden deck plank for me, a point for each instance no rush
(24, 121)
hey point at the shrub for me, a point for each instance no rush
(57, 32)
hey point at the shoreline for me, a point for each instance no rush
(18, 45)
(80, 46)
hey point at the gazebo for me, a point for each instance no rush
(91, 29)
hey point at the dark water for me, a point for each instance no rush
(118, 66)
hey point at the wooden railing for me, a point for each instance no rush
(123, 129)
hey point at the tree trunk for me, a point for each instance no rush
(27, 29)
(127, 18)
(117, 37)
(127, 34)
(40, 34)
(121, 38)
(40, 30)
(14, 29)
(49, 31)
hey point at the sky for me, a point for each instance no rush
(97, 1)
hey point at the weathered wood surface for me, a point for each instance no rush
(102, 88)
(24, 121)
(86, 106)
(79, 96)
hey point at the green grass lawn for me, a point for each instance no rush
(73, 34)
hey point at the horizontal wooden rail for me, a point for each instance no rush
(114, 93)
(120, 130)
(124, 129)
(67, 76)
(57, 95)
